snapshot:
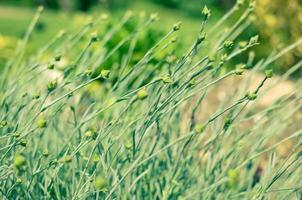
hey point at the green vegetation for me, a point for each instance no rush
(117, 108)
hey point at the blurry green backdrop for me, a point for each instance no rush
(278, 22)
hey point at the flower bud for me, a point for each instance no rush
(251, 96)
(51, 86)
(228, 44)
(254, 40)
(23, 142)
(176, 26)
(94, 37)
(201, 38)
(142, 94)
(199, 128)
(66, 159)
(105, 74)
(45, 153)
(166, 79)
(3, 124)
(269, 73)
(154, 17)
(19, 161)
(41, 123)
(51, 66)
(101, 183)
(58, 58)
(206, 12)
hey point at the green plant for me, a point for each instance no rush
(133, 132)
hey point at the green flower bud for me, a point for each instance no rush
(94, 37)
(254, 40)
(36, 96)
(239, 3)
(199, 128)
(66, 159)
(176, 26)
(239, 71)
(251, 96)
(269, 73)
(171, 59)
(3, 124)
(192, 82)
(88, 72)
(45, 153)
(58, 58)
(243, 44)
(19, 180)
(166, 79)
(201, 38)
(16, 135)
(228, 44)
(101, 183)
(51, 86)
(95, 158)
(206, 12)
(154, 17)
(19, 161)
(142, 94)
(41, 123)
(105, 74)
(23, 142)
(51, 66)
(233, 178)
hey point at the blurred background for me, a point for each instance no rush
(278, 22)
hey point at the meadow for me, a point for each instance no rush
(114, 107)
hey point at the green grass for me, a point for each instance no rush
(75, 126)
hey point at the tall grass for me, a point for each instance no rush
(72, 128)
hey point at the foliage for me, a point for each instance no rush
(279, 25)
(75, 125)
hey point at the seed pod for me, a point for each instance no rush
(105, 74)
(3, 124)
(101, 183)
(233, 178)
(142, 94)
(243, 44)
(51, 66)
(45, 153)
(19, 180)
(23, 142)
(66, 159)
(239, 71)
(153, 17)
(166, 79)
(224, 57)
(201, 38)
(206, 12)
(254, 40)
(88, 72)
(252, 4)
(19, 161)
(36, 96)
(16, 135)
(228, 44)
(239, 3)
(171, 59)
(269, 73)
(176, 26)
(95, 158)
(192, 82)
(94, 37)
(199, 128)
(41, 123)
(251, 96)
(58, 58)
(51, 86)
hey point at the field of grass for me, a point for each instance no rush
(129, 106)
